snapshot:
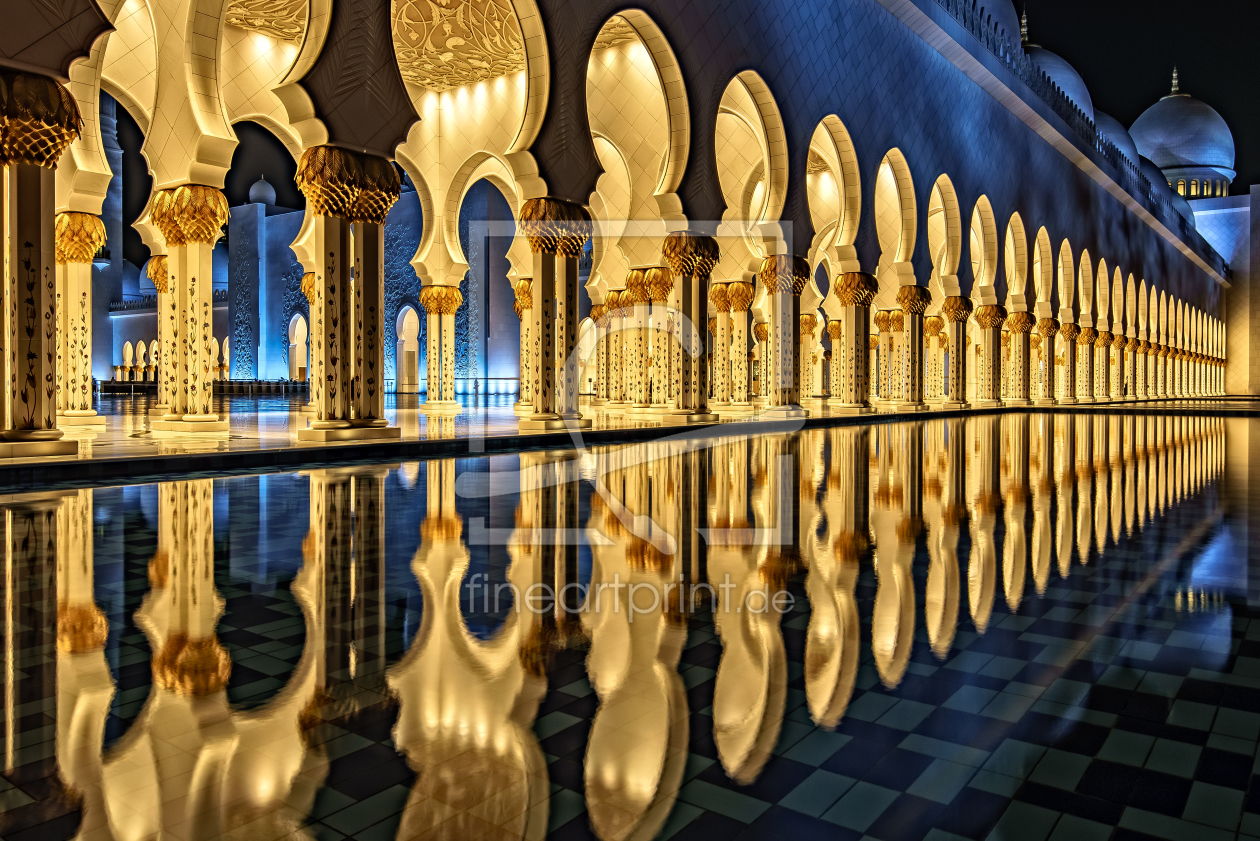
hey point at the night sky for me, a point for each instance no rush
(1125, 52)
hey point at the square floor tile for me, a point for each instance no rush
(1061, 769)
(1173, 757)
(858, 809)
(1126, 748)
(941, 781)
(1214, 805)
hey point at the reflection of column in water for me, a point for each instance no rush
(1130, 475)
(1065, 446)
(1115, 459)
(1015, 550)
(832, 642)
(1102, 500)
(467, 705)
(30, 676)
(1084, 487)
(244, 764)
(943, 586)
(1042, 480)
(982, 569)
(637, 749)
(896, 529)
(85, 687)
(1141, 487)
(750, 691)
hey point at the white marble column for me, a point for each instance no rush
(740, 295)
(990, 317)
(79, 236)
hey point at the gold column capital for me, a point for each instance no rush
(79, 237)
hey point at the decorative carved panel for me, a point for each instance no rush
(284, 19)
(616, 32)
(443, 44)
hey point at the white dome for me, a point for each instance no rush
(1110, 128)
(1180, 131)
(1063, 75)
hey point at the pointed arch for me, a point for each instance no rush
(895, 218)
(1144, 304)
(1131, 306)
(944, 233)
(1117, 302)
(1043, 273)
(1085, 285)
(1066, 283)
(1016, 263)
(836, 208)
(1102, 297)
(983, 247)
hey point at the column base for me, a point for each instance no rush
(954, 404)
(37, 449)
(1067, 401)
(308, 409)
(1046, 401)
(80, 417)
(159, 411)
(185, 426)
(912, 407)
(440, 407)
(352, 433)
(521, 407)
(988, 404)
(682, 419)
(552, 423)
(783, 413)
(638, 408)
(369, 423)
(850, 408)
(598, 401)
(1020, 401)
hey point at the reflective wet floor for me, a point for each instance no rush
(1012, 627)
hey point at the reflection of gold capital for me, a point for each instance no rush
(81, 627)
(441, 529)
(908, 529)
(196, 667)
(1069, 331)
(159, 569)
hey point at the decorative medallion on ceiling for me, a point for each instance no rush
(283, 19)
(443, 44)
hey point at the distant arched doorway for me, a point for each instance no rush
(407, 357)
(297, 347)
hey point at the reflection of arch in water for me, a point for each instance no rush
(407, 329)
(297, 347)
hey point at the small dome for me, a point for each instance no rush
(1160, 182)
(1110, 128)
(1003, 14)
(1063, 75)
(260, 192)
(1181, 131)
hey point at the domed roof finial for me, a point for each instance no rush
(1176, 88)
(261, 192)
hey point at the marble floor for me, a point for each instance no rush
(998, 627)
